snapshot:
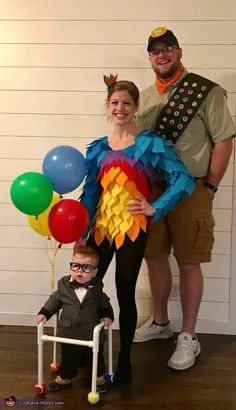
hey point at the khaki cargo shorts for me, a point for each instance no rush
(188, 229)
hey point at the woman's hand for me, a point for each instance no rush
(138, 205)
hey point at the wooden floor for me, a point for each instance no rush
(209, 385)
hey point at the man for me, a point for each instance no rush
(192, 112)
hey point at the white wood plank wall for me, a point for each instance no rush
(53, 55)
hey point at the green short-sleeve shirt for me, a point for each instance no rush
(210, 125)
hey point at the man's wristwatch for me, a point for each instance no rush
(210, 186)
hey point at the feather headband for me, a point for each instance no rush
(110, 80)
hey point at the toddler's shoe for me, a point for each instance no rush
(60, 384)
(101, 385)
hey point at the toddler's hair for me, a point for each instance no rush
(87, 251)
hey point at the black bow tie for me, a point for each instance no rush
(76, 284)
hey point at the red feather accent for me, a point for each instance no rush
(141, 180)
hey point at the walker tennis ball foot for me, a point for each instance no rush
(40, 389)
(93, 398)
(54, 367)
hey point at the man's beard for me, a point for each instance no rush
(169, 73)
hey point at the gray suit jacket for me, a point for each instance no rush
(77, 320)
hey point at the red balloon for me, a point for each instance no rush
(68, 220)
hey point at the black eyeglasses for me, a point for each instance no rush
(156, 51)
(75, 267)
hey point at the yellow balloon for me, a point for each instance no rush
(40, 223)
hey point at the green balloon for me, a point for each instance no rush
(31, 193)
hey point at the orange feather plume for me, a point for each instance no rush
(110, 80)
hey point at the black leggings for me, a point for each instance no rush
(128, 261)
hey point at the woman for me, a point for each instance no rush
(120, 170)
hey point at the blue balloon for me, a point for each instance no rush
(65, 167)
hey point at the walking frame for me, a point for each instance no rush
(93, 396)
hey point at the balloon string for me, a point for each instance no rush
(52, 261)
(53, 248)
(49, 249)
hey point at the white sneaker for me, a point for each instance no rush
(149, 331)
(186, 351)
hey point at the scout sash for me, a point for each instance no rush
(182, 106)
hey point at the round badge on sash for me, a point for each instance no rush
(182, 106)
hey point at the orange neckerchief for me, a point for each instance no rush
(162, 87)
